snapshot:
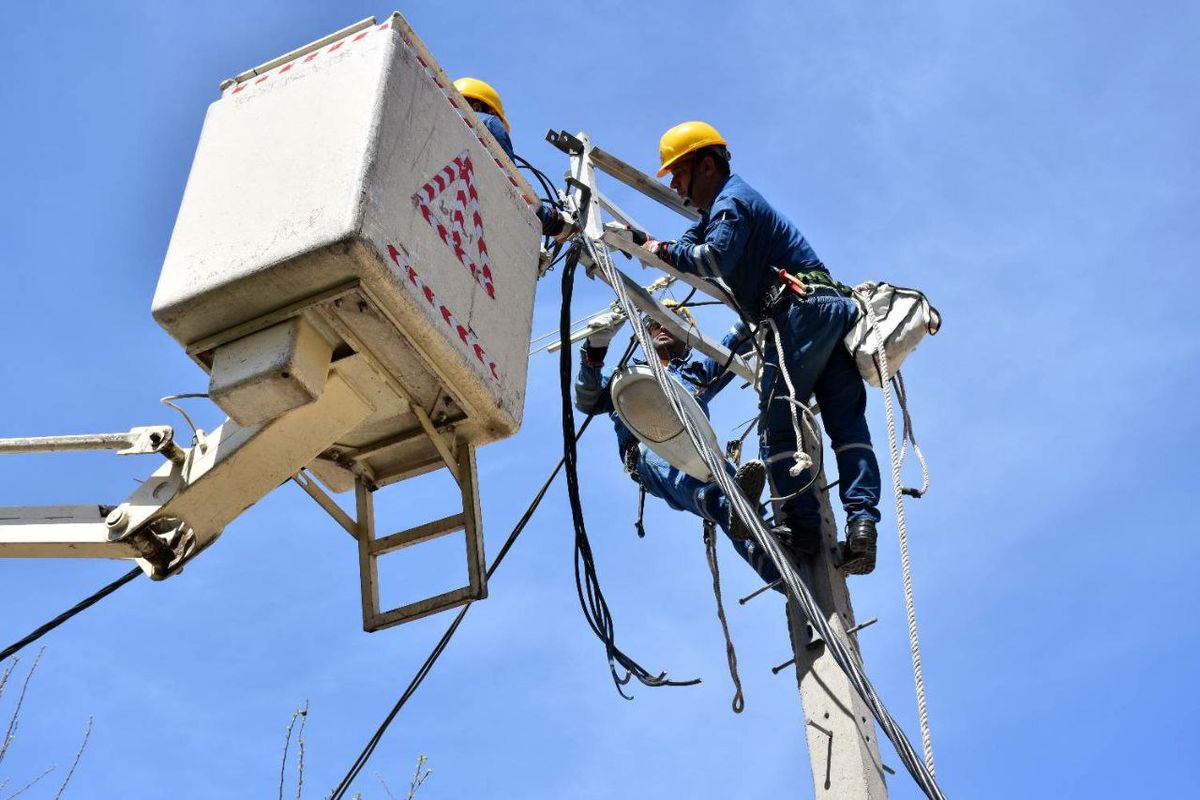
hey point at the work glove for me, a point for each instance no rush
(602, 329)
(638, 237)
(660, 250)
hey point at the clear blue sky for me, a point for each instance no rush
(1033, 166)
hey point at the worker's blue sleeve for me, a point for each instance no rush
(720, 250)
(591, 387)
(692, 235)
(496, 126)
(716, 375)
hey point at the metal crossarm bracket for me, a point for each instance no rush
(587, 201)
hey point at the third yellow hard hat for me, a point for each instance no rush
(685, 138)
(475, 89)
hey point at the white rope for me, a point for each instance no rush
(803, 461)
(910, 610)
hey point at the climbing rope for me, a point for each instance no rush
(710, 550)
(840, 650)
(910, 610)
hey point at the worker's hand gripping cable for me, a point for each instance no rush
(745, 511)
(587, 584)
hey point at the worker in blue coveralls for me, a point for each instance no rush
(743, 241)
(485, 102)
(703, 378)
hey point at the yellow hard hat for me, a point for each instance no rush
(475, 89)
(684, 138)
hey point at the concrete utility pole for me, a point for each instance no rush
(843, 746)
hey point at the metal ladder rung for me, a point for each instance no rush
(419, 534)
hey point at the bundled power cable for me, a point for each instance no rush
(587, 583)
(839, 649)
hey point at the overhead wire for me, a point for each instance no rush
(339, 792)
(82, 605)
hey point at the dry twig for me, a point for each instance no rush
(287, 741)
(300, 742)
(87, 734)
(418, 778)
(11, 733)
(386, 788)
(29, 785)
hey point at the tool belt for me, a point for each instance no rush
(799, 283)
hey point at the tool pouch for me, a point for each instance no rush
(904, 317)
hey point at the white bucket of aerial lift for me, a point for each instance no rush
(904, 317)
(643, 407)
(348, 184)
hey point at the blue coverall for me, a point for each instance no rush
(551, 222)
(743, 240)
(703, 378)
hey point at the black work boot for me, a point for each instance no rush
(802, 542)
(750, 477)
(857, 554)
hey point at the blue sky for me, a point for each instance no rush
(1031, 165)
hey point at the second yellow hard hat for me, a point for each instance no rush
(475, 89)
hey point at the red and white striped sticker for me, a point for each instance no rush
(300, 63)
(452, 192)
(464, 333)
(469, 121)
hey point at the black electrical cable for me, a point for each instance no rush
(547, 185)
(587, 584)
(340, 791)
(82, 605)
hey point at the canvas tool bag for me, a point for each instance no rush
(904, 317)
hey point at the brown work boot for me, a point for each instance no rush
(750, 477)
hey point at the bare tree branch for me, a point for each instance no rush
(11, 733)
(21, 791)
(78, 755)
(286, 743)
(8, 671)
(300, 742)
(386, 788)
(418, 778)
